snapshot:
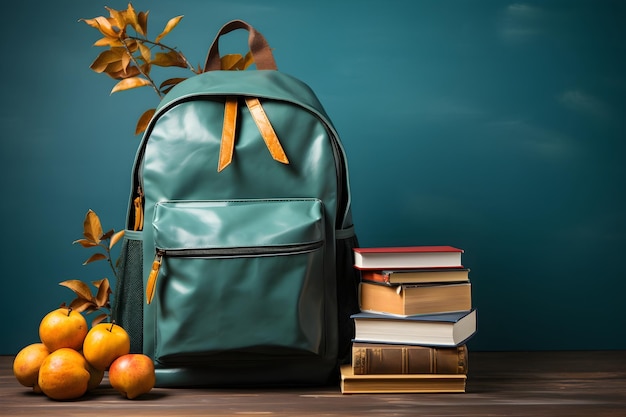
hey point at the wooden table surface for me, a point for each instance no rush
(590, 384)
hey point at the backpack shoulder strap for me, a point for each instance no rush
(259, 47)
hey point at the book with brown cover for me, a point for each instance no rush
(400, 383)
(411, 299)
(380, 358)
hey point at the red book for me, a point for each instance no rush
(408, 257)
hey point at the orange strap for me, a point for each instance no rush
(266, 129)
(227, 145)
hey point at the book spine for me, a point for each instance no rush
(392, 359)
(375, 276)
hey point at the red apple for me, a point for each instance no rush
(132, 375)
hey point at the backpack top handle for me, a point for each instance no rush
(260, 49)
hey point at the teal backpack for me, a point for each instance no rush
(237, 265)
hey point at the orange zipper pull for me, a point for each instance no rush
(138, 203)
(152, 278)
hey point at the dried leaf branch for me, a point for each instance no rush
(86, 302)
(94, 237)
(129, 57)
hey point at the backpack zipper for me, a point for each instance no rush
(138, 205)
(154, 274)
(253, 251)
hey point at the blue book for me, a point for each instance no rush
(447, 329)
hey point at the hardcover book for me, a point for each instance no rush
(415, 276)
(446, 329)
(411, 299)
(408, 257)
(382, 358)
(400, 383)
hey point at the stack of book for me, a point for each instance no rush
(416, 317)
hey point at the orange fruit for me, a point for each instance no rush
(132, 375)
(63, 375)
(104, 343)
(27, 363)
(63, 328)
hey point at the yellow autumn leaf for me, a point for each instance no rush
(231, 61)
(92, 228)
(142, 23)
(115, 238)
(171, 24)
(110, 58)
(104, 59)
(144, 119)
(169, 59)
(86, 243)
(103, 25)
(118, 16)
(125, 62)
(95, 257)
(104, 290)
(80, 305)
(81, 289)
(130, 83)
(146, 53)
(145, 68)
(247, 60)
(100, 282)
(115, 71)
(172, 81)
(107, 235)
(91, 22)
(133, 20)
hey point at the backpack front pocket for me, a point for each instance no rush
(243, 276)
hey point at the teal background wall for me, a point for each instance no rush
(495, 126)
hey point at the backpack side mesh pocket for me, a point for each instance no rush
(128, 300)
